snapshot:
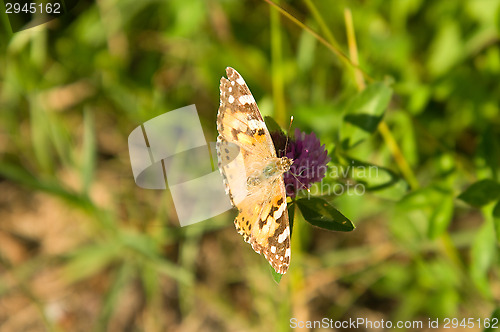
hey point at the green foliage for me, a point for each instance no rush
(496, 220)
(320, 213)
(364, 113)
(441, 217)
(276, 276)
(271, 124)
(481, 193)
(494, 321)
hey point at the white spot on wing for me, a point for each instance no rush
(277, 214)
(288, 252)
(256, 124)
(273, 249)
(230, 99)
(266, 227)
(246, 99)
(282, 237)
(240, 81)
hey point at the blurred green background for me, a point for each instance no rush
(83, 248)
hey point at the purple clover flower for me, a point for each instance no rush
(309, 160)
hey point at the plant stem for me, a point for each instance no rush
(332, 48)
(393, 146)
(353, 49)
(384, 130)
(277, 72)
(317, 16)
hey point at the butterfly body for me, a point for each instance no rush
(252, 172)
(275, 168)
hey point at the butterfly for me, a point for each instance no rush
(252, 172)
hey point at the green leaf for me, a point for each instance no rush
(483, 253)
(90, 260)
(306, 51)
(419, 98)
(291, 215)
(441, 217)
(496, 220)
(150, 281)
(271, 124)
(22, 176)
(494, 325)
(490, 149)
(382, 181)
(364, 113)
(40, 136)
(366, 122)
(481, 193)
(88, 150)
(446, 49)
(320, 213)
(372, 176)
(276, 276)
(410, 222)
(174, 271)
(122, 277)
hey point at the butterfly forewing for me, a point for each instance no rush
(261, 201)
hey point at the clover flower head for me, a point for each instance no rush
(309, 159)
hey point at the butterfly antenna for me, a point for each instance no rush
(303, 185)
(288, 134)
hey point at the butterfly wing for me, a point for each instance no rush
(239, 120)
(271, 232)
(262, 215)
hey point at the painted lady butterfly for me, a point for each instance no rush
(252, 173)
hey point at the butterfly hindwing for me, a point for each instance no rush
(271, 234)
